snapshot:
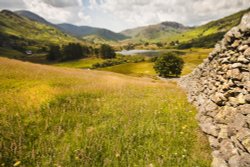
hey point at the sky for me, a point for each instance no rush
(118, 15)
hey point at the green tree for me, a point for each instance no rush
(106, 52)
(169, 65)
(75, 51)
(54, 53)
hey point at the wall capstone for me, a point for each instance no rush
(220, 89)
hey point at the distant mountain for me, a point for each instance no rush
(33, 16)
(156, 31)
(20, 33)
(97, 39)
(77, 31)
(82, 31)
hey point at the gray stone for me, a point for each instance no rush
(238, 122)
(210, 128)
(247, 52)
(234, 74)
(238, 144)
(245, 160)
(219, 162)
(244, 109)
(234, 161)
(210, 106)
(243, 134)
(218, 98)
(213, 142)
(225, 116)
(227, 149)
(245, 22)
(236, 65)
(224, 132)
(242, 59)
(243, 47)
(236, 32)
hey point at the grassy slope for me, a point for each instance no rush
(13, 25)
(193, 58)
(67, 117)
(135, 69)
(211, 28)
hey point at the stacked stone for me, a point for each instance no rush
(220, 88)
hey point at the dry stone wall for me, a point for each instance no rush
(220, 88)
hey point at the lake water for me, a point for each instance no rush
(139, 52)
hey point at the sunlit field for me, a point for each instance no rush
(193, 58)
(53, 116)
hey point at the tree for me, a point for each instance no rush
(72, 51)
(169, 65)
(106, 52)
(54, 53)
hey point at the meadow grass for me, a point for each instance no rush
(134, 69)
(193, 58)
(82, 63)
(54, 116)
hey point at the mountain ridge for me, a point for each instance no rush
(74, 30)
(154, 31)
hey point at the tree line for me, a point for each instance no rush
(74, 51)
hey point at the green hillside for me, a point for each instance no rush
(201, 36)
(155, 32)
(207, 35)
(18, 32)
(53, 116)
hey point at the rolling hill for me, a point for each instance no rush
(83, 31)
(208, 34)
(20, 33)
(33, 16)
(200, 36)
(152, 32)
(77, 31)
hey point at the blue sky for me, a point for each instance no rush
(118, 15)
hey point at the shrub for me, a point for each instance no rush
(119, 60)
(169, 65)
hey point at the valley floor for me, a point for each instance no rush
(53, 116)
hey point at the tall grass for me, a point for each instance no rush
(53, 116)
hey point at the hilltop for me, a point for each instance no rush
(18, 32)
(76, 31)
(173, 33)
(157, 31)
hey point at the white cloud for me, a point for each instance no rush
(59, 11)
(191, 12)
(122, 14)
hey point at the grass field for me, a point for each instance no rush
(134, 69)
(54, 116)
(83, 63)
(193, 58)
